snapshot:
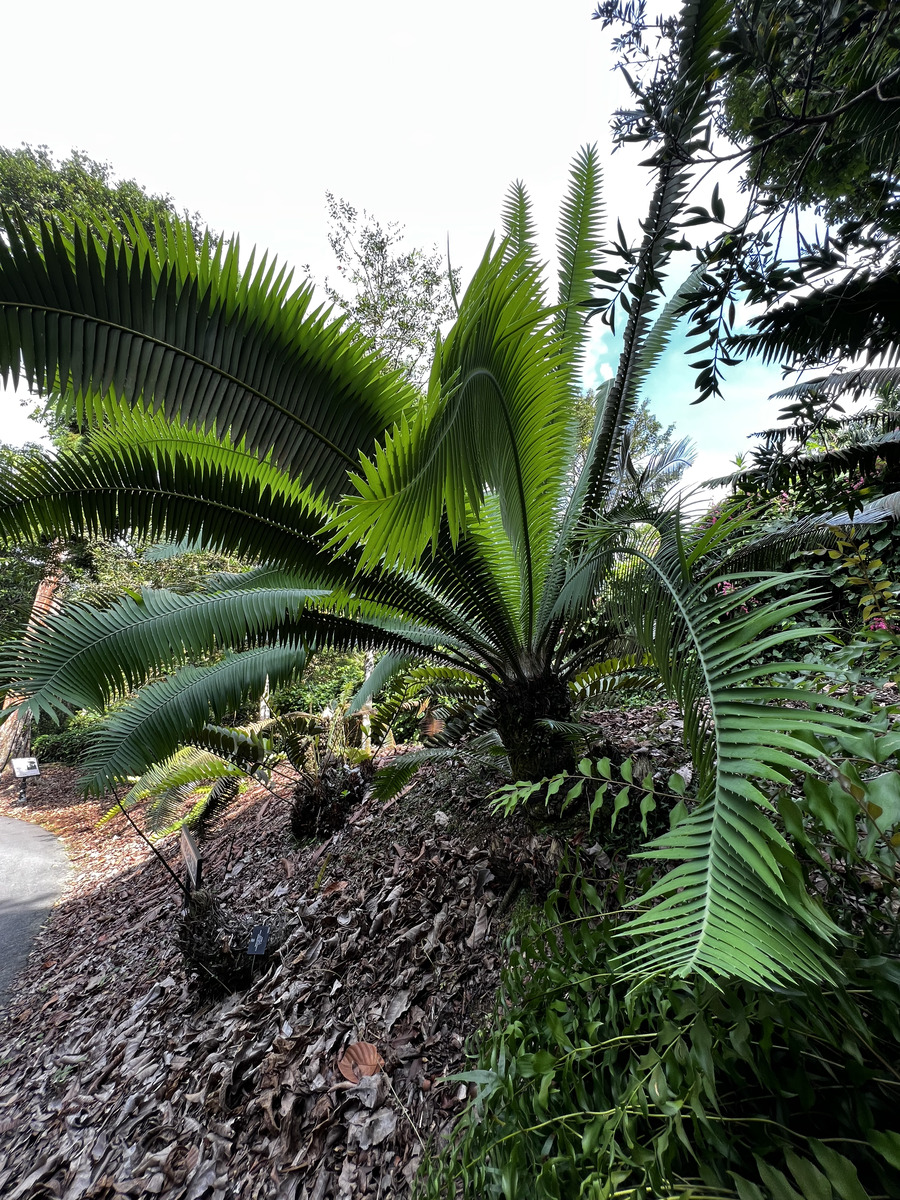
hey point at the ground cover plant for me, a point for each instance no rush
(591, 1087)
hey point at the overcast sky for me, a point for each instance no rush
(418, 112)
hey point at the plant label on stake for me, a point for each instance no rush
(193, 860)
(259, 939)
(24, 769)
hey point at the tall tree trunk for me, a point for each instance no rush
(15, 732)
(534, 750)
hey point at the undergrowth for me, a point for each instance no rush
(593, 1088)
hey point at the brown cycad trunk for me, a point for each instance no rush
(15, 732)
(534, 750)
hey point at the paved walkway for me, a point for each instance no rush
(33, 867)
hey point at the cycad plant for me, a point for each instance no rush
(447, 530)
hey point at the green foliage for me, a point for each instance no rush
(590, 1086)
(72, 742)
(447, 531)
(805, 77)
(621, 802)
(187, 788)
(37, 187)
(400, 297)
(330, 679)
(807, 94)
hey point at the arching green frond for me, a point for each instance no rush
(83, 656)
(166, 714)
(580, 229)
(466, 581)
(736, 903)
(630, 672)
(152, 478)
(198, 336)
(507, 570)
(165, 787)
(500, 424)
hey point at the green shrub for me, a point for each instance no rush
(69, 743)
(329, 678)
(592, 1088)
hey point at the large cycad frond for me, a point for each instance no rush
(519, 228)
(498, 423)
(736, 903)
(166, 714)
(197, 336)
(84, 657)
(157, 479)
(578, 250)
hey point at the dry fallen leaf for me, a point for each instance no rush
(360, 1059)
(331, 888)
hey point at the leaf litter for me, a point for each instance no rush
(115, 1081)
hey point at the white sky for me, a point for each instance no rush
(418, 112)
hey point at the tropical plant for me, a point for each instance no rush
(446, 531)
(589, 1086)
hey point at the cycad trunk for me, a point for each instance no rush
(15, 732)
(534, 750)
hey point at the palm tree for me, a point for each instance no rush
(448, 532)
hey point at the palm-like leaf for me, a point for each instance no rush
(166, 714)
(166, 786)
(736, 903)
(500, 423)
(578, 250)
(195, 335)
(518, 226)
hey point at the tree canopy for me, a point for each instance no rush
(38, 187)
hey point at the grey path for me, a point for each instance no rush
(33, 868)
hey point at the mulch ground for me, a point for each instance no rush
(117, 1076)
(116, 1080)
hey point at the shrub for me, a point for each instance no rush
(69, 743)
(590, 1087)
